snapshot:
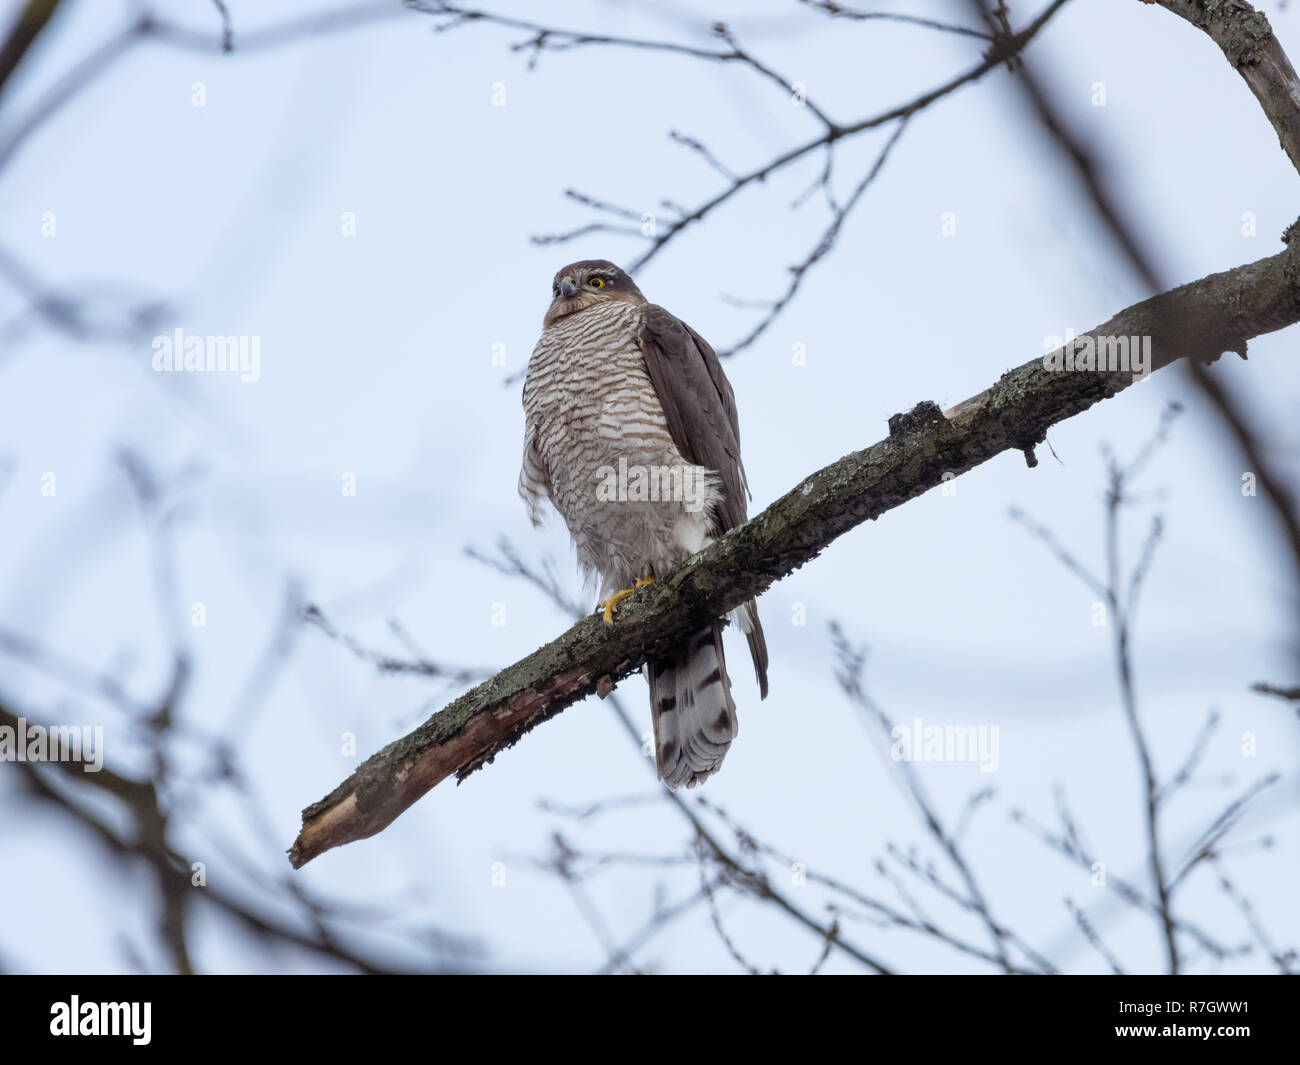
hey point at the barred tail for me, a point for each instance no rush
(692, 709)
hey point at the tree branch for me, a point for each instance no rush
(33, 18)
(1200, 320)
(1247, 42)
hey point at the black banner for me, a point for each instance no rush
(141, 1014)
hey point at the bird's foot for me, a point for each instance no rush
(608, 605)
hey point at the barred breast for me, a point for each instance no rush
(591, 410)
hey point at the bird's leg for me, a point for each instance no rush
(607, 605)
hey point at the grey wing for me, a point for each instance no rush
(698, 404)
(700, 409)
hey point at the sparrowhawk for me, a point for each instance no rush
(631, 432)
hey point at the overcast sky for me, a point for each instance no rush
(377, 361)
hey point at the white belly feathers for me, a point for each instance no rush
(597, 444)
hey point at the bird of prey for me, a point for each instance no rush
(631, 432)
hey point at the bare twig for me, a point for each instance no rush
(1121, 602)
(384, 663)
(1185, 771)
(1291, 695)
(1285, 960)
(823, 246)
(851, 663)
(549, 38)
(1090, 934)
(837, 10)
(1207, 846)
(1127, 891)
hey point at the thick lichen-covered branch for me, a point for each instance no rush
(924, 448)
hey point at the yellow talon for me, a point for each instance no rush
(609, 604)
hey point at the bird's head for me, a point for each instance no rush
(588, 283)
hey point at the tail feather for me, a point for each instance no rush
(747, 616)
(691, 706)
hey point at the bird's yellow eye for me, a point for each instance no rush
(596, 282)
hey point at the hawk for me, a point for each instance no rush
(630, 430)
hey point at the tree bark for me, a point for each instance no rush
(1247, 42)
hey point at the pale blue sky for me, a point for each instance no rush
(377, 361)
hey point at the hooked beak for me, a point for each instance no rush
(568, 288)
